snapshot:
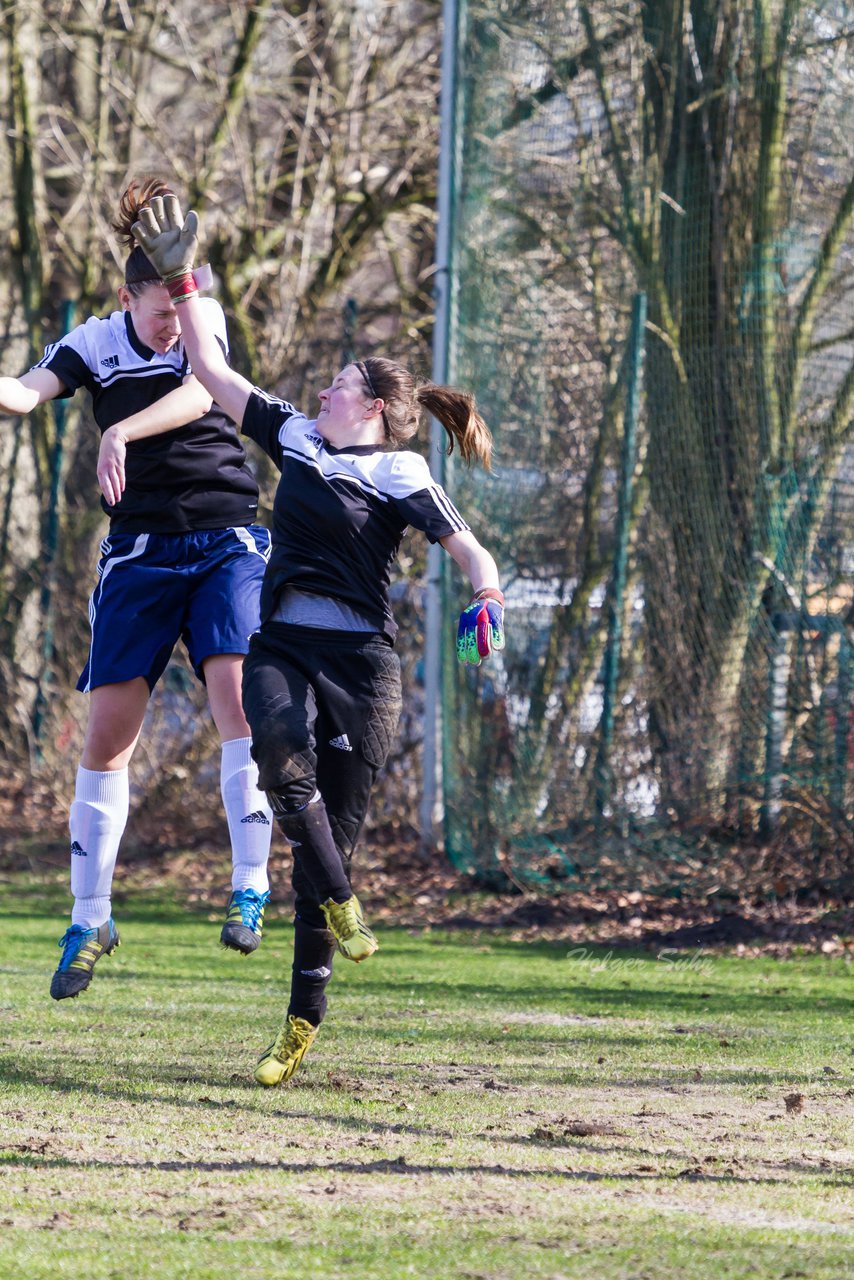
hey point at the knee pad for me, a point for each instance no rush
(282, 748)
(291, 798)
(285, 767)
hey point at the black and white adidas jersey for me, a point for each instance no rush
(194, 477)
(339, 514)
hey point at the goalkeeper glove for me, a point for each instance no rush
(170, 243)
(481, 627)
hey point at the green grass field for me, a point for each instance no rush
(473, 1107)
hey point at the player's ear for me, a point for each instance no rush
(124, 297)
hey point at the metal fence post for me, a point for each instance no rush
(778, 686)
(47, 597)
(616, 596)
(431, 797)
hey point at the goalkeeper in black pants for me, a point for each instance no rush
(321, 684)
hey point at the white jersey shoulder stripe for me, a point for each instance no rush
(48, 352)
(447, 508)
(294, 419)
(277, 402)
(412, 475)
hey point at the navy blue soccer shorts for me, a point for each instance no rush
(154, 589)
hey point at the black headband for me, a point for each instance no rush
(363, 370)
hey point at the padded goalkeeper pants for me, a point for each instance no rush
(323, 708)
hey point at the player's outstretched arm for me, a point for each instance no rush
(481, 627)
(22, 395)
(170, 243)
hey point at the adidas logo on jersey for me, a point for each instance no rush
(318, 440)
(257, 816)
(110, 362)
(78, 850)
(342, 743)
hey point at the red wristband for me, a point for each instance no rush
(489, 593)
(182, 287)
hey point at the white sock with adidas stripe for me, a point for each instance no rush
(250, 821)
(96, 822)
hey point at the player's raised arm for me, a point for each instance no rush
(170, 243)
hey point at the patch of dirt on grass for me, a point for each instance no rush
(562, 1129)
(712, 1208)
(543, 1019)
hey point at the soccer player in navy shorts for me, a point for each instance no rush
(183, 559)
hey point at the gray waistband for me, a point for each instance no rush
(302, 609)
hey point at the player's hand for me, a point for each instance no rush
(167, 239)
(111, 466)
(481, 627)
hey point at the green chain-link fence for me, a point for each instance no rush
(653, 297)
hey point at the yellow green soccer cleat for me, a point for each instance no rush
(244, 920)
(81, 949)
(278, 1063)
(345, 921)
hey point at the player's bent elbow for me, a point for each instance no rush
(15, 398)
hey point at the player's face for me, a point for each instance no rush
(154, 316)
(345, 404)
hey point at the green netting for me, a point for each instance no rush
(672, 504)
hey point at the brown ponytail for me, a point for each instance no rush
(139, 273)
(456, 410)
(458, 414)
